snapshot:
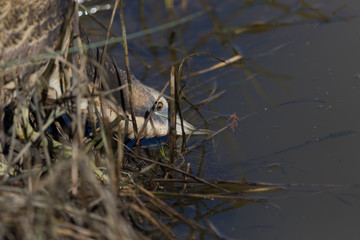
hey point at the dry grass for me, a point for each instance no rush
(71, 186)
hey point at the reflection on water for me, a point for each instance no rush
(297, 80)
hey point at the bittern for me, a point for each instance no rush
(30, 28)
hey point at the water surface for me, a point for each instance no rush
(298, 79)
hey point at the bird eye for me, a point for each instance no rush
(159, 106)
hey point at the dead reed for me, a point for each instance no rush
(71, 185)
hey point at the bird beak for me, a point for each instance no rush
(189, 129)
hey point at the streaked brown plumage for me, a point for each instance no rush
(32, 27)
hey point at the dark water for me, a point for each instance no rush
(300, 80)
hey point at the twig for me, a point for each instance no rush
(216, 66)
(232, 125)
(179, 171)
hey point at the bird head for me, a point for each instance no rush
(146, 101)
